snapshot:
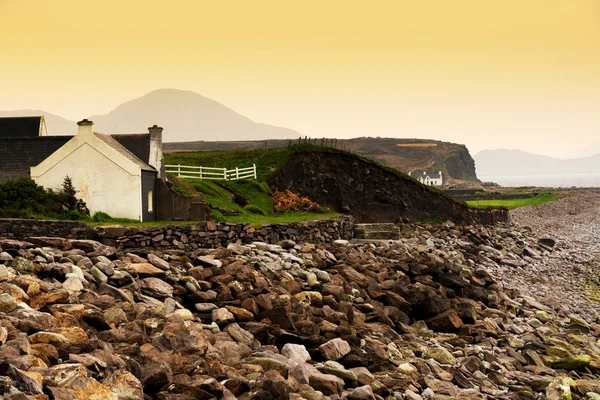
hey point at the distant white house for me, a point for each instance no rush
(428, 178)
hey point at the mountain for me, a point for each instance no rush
(186, 116)
(56, 126)
(517, 162)
(405, 155)
(587, 151)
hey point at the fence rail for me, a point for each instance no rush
(223, 174)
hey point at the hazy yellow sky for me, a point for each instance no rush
(490, 74)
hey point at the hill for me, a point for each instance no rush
(404, 155)
(590, 150)
(517, 162)
(185, 115)
(345, 182)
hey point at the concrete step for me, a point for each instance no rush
(383, 231)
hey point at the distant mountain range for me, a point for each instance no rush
(185, 115)
(587, 151)
(517, 162)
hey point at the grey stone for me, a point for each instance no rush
(98, 275)
(158, 262)
(295, 352)
(7, 303)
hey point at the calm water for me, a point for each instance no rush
(563, 180)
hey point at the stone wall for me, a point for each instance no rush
(215, 234)
(23, 228)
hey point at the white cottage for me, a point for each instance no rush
(106, 175)
(428, 178)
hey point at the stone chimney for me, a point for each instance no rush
(85, 127)
(156, 159)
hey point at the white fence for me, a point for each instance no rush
(223, 174)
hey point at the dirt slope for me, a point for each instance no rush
(370, 192)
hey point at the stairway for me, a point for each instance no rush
(383, 231)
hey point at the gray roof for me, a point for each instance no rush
(137, 143)
(19, 153)
(112, 142)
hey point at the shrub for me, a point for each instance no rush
(290, 201)
(101, 216)
(182, 187)
(22, 198)
(67, 196)
(254, 209)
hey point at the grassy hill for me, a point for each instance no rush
(345, 182)
(220, 194)
(404, 155)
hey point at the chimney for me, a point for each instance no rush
(85, 127)
(156, 158)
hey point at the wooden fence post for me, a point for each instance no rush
(254, 165)
(237, 173)
(225, 174)
(201, 175)
(178, 170)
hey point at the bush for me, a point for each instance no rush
(23, 198)
(290, 201)
(182, 187)
(254, 209)
(101, 216)
(75, 208)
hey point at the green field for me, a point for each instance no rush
(259, 210)
(511, 204)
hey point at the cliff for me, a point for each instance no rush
(405, 155)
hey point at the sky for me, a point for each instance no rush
(489, 74)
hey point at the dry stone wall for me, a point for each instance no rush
(14, 228)
(215, 234)
(184, 237)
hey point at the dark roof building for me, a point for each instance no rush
(18, 154)
(13, 127)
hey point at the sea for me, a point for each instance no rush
(555, 181)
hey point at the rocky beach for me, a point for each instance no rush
(446, 312)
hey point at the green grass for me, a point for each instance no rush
(514, 203)
(268, 162)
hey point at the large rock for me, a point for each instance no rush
(156, 288)
(335, 349)
(295, 352)
(158, 262)
(144, 270)
(448, 321)
(7, 303)
(125, 385)
(56, 242)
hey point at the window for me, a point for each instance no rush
(150, 201)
